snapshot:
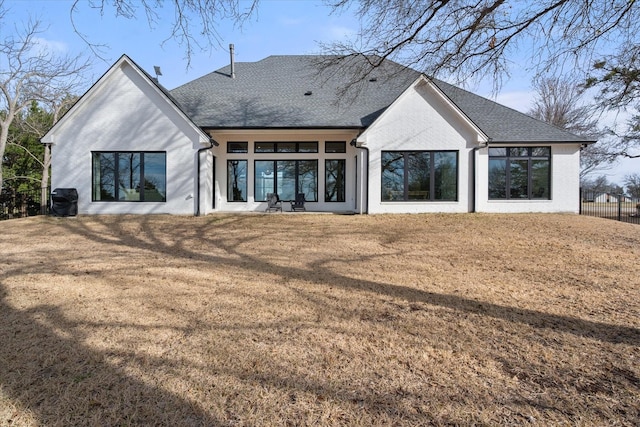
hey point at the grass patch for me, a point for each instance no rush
(319, 320)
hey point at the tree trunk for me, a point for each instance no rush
(44, 186)
(1, 177)
(4, 136)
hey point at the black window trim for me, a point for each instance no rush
(529, 157)
(275, 147)
(230, 161)
(116, 172)
(243, 151)
(432, 183)
(275, 177)
(342, 150)
(344, 179)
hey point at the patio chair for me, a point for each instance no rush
(273, 202)
(298, 203)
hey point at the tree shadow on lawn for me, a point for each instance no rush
(204, 232)
(51, 378)
(44, 370)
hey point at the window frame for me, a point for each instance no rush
(432, 191)
(339, 147)
(143, 177)
(513, 154)
(279, 147)
(274, 168)
(243, 147)
(246, 183)
(341, 192)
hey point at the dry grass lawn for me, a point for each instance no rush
(311, 319)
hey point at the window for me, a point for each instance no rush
(419, 175)
(237, 147)
(265, 147)
(236, 180)
(335, 147)
(286, 147)
(129, 176)
(334, 180)
(307, 147)
(520, 173)
(286, 177)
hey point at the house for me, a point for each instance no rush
(395, 142)
(606, 198)
(625, 199)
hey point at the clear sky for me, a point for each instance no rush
(278, 27)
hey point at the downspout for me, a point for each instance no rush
(212, 143)
(364, 174)
(474, 167)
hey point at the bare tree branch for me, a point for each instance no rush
(194, 25)
(28, 73)
(558, 101)
(26, 150)
(461, 39)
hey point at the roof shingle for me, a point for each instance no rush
(305, 92)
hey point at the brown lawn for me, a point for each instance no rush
(308, 319)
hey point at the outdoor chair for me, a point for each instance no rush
(273, 202)
(298, 203)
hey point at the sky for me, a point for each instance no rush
(279, 27)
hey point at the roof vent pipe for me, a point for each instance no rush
(233, 61)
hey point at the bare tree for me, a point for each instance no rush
(194, 25)
(599, 156)
(632, 183)
(599, 184)
(37, 125)
(617, 78)
(28, 72)
(451, 39)
(58, 102)
(464, 38)
(443, 38)
(558, 101)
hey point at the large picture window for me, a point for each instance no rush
(334, 185)
(286, 178)
(520, 173)
(236, 180)
(129, 176)
(419, 175)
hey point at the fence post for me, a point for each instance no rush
(619, 207)
(580, 202)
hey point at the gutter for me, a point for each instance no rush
(474, 167)
(353, 143)
(212, 143)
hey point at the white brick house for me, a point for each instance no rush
(400, 142)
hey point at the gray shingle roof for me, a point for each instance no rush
(504, 124)
(303, 92)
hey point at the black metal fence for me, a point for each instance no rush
(14, 204)
(611, 206)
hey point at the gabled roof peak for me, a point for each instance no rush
(124, 59)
